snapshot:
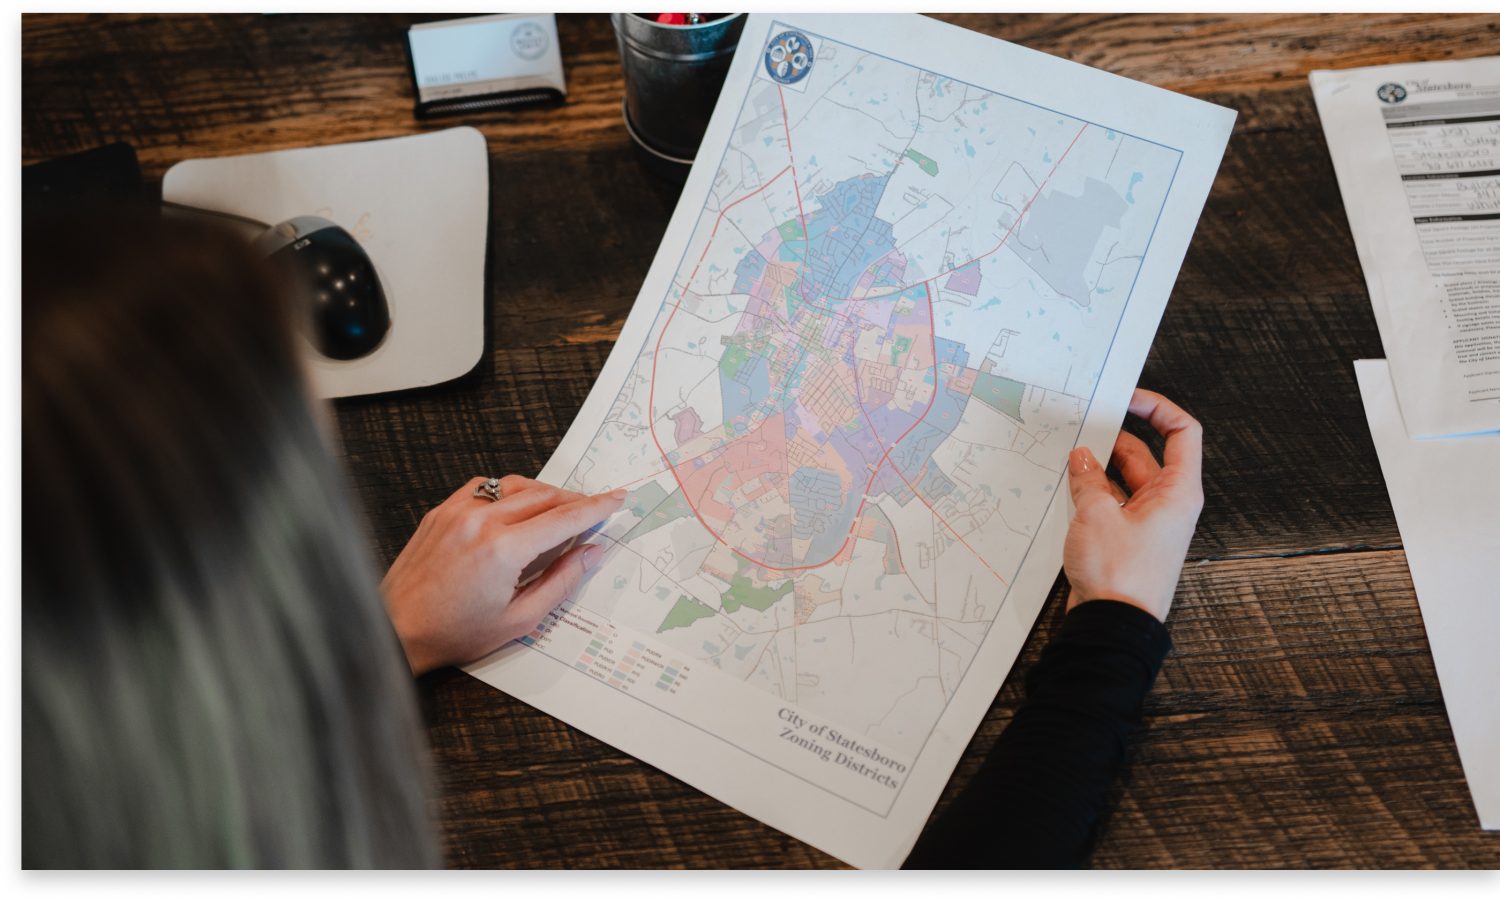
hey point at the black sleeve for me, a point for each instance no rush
(1036, 800)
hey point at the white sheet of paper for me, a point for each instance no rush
(478, 55)
(1416, 149)
(418, 205)
(912, 267)
(1446, 496)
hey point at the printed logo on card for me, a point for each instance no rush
(529, 40)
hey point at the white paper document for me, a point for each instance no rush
(1417, 152)
(912, 268)
(1446, 496)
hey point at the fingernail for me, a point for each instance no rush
(1080, 461)
(619, 493)
(591, 555)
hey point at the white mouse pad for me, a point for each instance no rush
(417, 205)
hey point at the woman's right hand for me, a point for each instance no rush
(1132, 549)
(454, 593)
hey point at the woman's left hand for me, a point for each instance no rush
(452, 592)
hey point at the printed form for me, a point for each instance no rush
(1417, 152)
(912, 268)
(1444, 494)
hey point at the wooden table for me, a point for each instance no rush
(1298, 723)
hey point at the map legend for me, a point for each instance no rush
(605, 654)
(531, 639)
(668, 679)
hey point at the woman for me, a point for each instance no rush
(210, 677)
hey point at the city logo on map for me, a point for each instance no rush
(789, 57)
(1390, 92)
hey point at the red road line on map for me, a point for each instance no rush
(714, 233)
(951, 529)
(897, 469)
(1027, 208)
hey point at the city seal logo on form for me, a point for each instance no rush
(789, 57)
(1390, 92)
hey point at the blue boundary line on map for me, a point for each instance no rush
(1113, 337)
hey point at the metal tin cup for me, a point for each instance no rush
(673, 74)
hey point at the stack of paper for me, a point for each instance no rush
(1417, 153)
(1446, 494)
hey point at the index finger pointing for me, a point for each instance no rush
(1184, 434)
(548, 529)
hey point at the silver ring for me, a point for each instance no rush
(489, 490)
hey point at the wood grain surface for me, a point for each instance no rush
(1299, 721)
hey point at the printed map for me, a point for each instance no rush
(856, 401)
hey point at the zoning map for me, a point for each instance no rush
(847, 410)
(866, 377)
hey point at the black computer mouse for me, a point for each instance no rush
(346, 304)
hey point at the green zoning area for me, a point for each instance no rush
(1000, 394)
(684, 612)
(655, 509)
(734, 359)
(740, 350)
(791, 230)
(742, 593)
(899, 347)
(925, 163)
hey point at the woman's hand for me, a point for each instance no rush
(452, 593)
(1132, 550)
